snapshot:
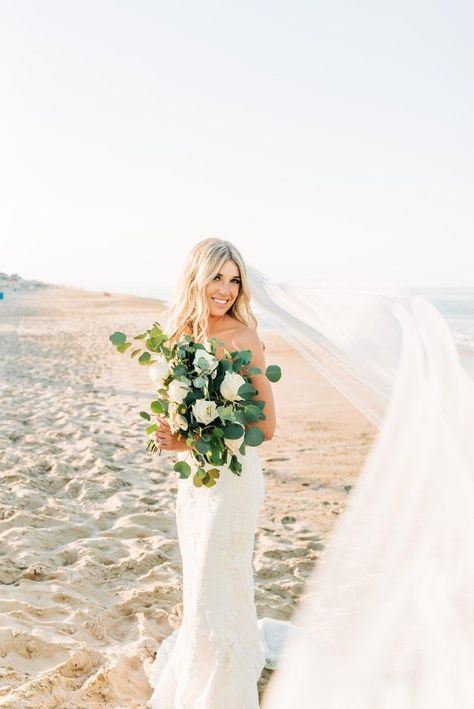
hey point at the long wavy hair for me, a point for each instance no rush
(189, 311)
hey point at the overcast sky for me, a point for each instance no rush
(323, 138)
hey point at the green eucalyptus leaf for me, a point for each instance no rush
(235, 466)
(134, 353)
(151, 429)
(245, 356)
(273, 372)
(241, 359)
(225, 412)
(158, 407)
(252, 412)
(214, 457)
(203, 364)
(241, 417)
(254, 436)
(154, 343)
(219, 444)
(233, 431)
(197, 480)
(118, 338)
(183, 468)
(247, 391)
(202, 446)
(145, 415)
(144, 358)
(253, 370)
(193, 396)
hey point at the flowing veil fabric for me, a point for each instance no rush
(387, 619)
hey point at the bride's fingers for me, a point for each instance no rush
(164, 438)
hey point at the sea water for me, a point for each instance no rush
(455, 304)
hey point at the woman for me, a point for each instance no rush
(215, 658)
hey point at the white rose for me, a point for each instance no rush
(177, 391)
(231, 385)
(159, 371)
(234, 444)
(210, 359)
(205, 411)
(176, 420)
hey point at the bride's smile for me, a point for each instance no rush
(223, 290)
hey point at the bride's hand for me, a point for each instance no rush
(166, 440)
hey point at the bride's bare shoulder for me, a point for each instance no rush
(244, 336)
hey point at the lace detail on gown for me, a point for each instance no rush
(215, 658)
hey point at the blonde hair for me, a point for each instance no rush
(189, 311)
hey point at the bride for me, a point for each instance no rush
(386, 620)
(215, 658)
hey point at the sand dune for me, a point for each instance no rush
(90, 571)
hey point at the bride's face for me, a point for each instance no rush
(224, 287)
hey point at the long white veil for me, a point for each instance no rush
(387, 619)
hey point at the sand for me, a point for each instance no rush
(90, 571)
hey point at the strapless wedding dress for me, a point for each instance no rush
(215, 658)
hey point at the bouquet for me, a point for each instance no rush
(208, 400)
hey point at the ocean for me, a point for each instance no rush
(455, 304)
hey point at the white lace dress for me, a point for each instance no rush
(215, 658)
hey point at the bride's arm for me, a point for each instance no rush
(248, 339)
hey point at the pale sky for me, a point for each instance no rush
(320, 137)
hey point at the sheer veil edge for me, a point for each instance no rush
(387, 619)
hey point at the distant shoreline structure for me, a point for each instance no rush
(15, 283)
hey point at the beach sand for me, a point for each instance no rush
(90, 571)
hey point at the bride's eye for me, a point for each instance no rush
(234, 280)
